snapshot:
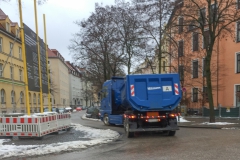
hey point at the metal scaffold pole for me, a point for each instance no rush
(24, 57)
(39, 58)
(45, 39)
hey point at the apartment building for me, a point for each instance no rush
(191, 53)
(75, 85)
(59, 79)
(12, 84)
(11, 67)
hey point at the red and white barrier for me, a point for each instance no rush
(34, 126)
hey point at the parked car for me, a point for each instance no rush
(68, 109)
(61, 110)
(84, 107)
(78, 108)
(92, 112)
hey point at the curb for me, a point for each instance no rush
(202, 127)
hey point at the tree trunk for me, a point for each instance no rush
(209, 87)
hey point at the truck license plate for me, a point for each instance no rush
(152, 120)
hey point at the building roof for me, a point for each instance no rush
(14, 23)
(69, 65)
(2, 14)
(51, 54)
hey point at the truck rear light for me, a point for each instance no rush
(132, 116)
(172, 115)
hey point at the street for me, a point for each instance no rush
(187, 144)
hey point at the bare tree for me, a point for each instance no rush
(53, 86)
(96, 46)
(154, 15)
(129, 33)
(220, 20)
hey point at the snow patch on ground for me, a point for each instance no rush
(97, 136)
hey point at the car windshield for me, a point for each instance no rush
(89, 110)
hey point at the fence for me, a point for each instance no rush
(34, 126)
(223, 112)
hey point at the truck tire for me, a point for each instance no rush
(171, 133)
(129, 134)
(106, 120)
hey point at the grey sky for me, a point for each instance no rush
(60, 15)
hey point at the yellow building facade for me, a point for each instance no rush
(12, 84)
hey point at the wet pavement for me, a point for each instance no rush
(74, 135)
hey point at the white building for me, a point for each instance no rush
(75, 85)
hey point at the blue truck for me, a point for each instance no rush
(141, 102)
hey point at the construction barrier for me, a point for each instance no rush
(34, 126)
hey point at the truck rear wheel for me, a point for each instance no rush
(171, 133)
(106, 120)
(129, 134)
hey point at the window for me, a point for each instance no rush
(2, 96)
(20, 74)
(179, 3)
(204, 68)
(191, 26)
(195, 94)
(195, 42)
(237, 95)
(180, 25)
(238, 62)
(164, 66)
(181, 73)
(20, 52)
(213, 13)
(206, 39)
(38, 98)
(34, 98)
(11, 48)
(11, 72)
(30, 98)
(180, 48)
(1, 69)
(195, 69)
(1, 44)
(17, 33)
(202, 16)
(21, 98)
(8, 27)
(238, 32)
(13, 97)
(205, 94)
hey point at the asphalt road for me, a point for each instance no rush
(187, 144)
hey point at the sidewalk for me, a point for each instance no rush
(203, 122)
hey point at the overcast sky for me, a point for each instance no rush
(60, 16)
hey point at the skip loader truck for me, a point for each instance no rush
(141, 103)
